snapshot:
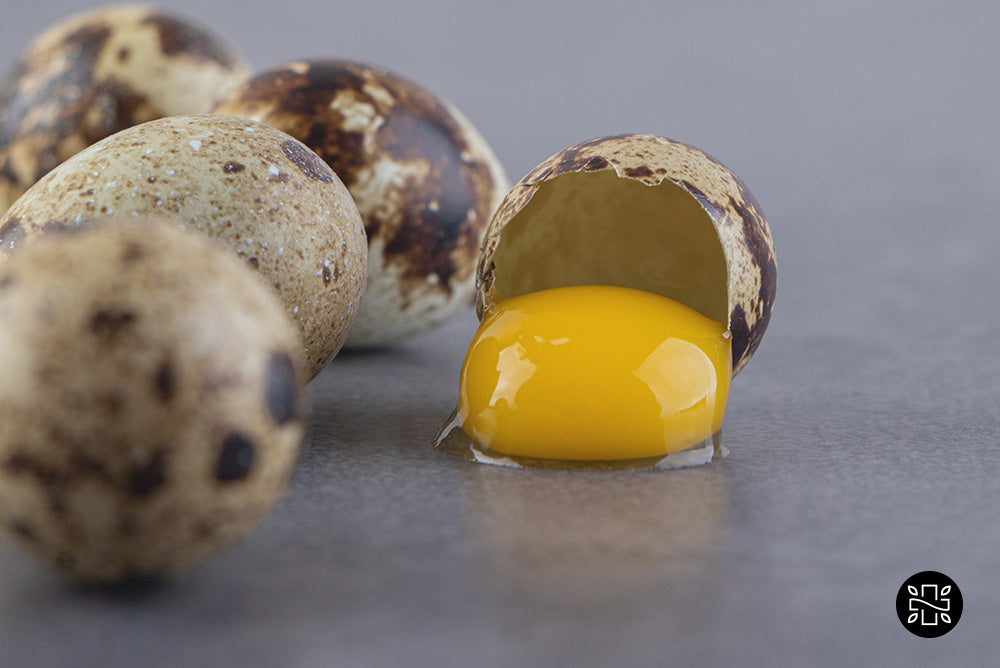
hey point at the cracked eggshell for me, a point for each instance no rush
(425, 180)
(99, 72)
(151, 408)
(259, 191)
(639, 211)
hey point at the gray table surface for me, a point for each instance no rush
(863, 434)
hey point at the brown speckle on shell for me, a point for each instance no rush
(11, 234)
(132, 253)
(235, 458)
(742, 336)
(59, 227)
(165, 381)
(108, 323)
(23, 529)
(146, 478)
(18, 463)
(180, 37)
(281, 389)
(307, 161)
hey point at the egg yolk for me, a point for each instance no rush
(594, 373)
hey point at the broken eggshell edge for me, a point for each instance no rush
(741, 227)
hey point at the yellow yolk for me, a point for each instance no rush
(594, 373)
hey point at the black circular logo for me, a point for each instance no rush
(929, 604)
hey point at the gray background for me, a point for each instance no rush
(863, 434)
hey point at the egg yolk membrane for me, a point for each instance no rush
(594, 373)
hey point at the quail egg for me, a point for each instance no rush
(258, 190)
(151, 407)
(425, 180)
(99, 72)
(621, 284)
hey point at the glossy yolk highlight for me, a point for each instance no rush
(594, 373)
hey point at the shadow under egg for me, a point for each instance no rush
(575, 537)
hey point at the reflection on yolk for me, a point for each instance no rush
(594, 373)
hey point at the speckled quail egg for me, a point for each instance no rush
(150, 401)
(423, 177)
(621, 284)
(99, 72)
(258, 190)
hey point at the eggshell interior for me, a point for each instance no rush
(637, 211)
(584, 229)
